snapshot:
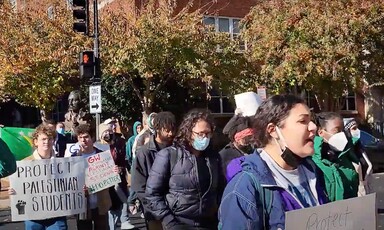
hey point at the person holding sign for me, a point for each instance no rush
(43, 139)
(99, 202)
(280, 176)
(335, 156)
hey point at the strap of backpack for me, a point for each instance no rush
(265, 198)
(175, 155)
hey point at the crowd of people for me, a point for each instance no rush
(283, 158)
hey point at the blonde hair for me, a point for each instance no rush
(44, 129)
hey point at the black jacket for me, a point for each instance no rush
(145, 156)
(173, 191)
(60, 144)
(227, 154)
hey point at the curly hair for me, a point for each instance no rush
(43, 129)
(184, 134)
(273, 110)
(83, 129)
(164, 120)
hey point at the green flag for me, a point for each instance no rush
(19, 141)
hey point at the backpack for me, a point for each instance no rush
(265, 195)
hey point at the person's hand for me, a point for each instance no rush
(85, 189)
(133, 209)
(11, 191)
(116, 169)
(238, 111)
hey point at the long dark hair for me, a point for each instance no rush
(184, 134)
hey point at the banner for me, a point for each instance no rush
(19, 141)
(47, 188)
(100, 172)
(351, 214)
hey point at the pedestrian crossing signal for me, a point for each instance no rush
(87, 64)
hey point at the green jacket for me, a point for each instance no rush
(340, 176)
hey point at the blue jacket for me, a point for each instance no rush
(241, 207)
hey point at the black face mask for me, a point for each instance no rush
(291, 158)
(247, 149)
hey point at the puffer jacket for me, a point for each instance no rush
(173, 191)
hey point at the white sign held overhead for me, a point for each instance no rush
(95, 99)
(248, 103)
(352, 214)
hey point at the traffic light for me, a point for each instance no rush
(87, 64)
(81, 16)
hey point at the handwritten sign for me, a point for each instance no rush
(47, 188)
(248, 103)
(100, 172)
(351, 214)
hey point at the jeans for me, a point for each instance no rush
(113, 217)
(96, 222)
(124, 217)
(58, 223)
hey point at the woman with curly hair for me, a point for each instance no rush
(184, 185)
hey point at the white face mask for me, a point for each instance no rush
(355, 133)
(338, 141)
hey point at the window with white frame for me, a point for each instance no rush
(226, 25)
(51, 12)
(220, 103)
(349, 102)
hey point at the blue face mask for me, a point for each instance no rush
(200, 144)
(60, 130)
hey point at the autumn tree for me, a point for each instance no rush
(325, 47)
(159, 44)
(38, 53)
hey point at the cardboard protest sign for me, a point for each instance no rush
(72, 149)
(99, 172)
(351, 214)
(248, 103)
(47, 188)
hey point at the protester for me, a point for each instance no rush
(335, 157)
(280, 177)
(100, 202)
(60, 143)
(240, 133)
(184, 184)
(137, 127)
(43, 139)
(143, 136)
(119, 193)
(364, 168)
(164, 125)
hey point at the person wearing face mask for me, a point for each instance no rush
(364, 167)
(240, 133)
(185, 182)
(335, 156)
(280, 176)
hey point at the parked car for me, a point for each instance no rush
(374, 148)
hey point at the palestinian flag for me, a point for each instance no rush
(19, 141)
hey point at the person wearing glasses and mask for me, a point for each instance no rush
(335, 156)
(185, 182)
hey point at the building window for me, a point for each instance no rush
(349, 102)
(51, 12)
(220, 103)
(13, 4)
(226, 25)
(312, 102)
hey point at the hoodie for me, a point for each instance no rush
(129, 145)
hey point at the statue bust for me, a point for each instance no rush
(77, 113)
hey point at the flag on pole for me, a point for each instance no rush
(19, 141)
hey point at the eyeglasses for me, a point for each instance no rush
(202, 135)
